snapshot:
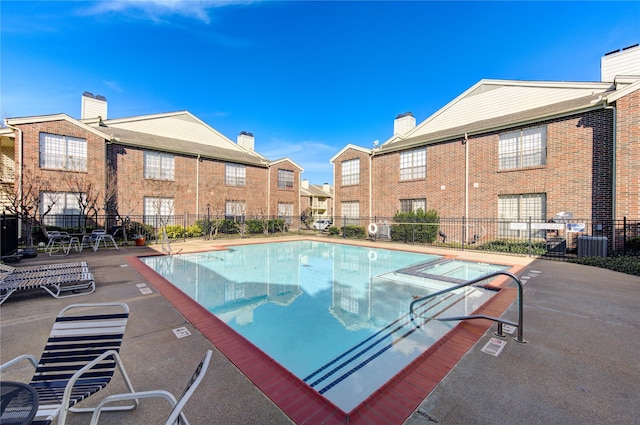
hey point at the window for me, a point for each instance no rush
(285, 179)
(234, 209)
(518, 208)
(235, 175)
(285, 211)
(351, 212)
(351, 172)
(409, 205)
(63, 152)
(413, 164)
(523, 148)
(158, 211)
(63, 207)
(158, 165)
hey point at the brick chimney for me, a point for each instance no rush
(246, 140)
(403, 123)
(93, 106)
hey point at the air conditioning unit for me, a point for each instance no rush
(592, 246)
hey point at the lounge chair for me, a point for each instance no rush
(176, 416)
(56, 268)
(68, 284)
(79, 359)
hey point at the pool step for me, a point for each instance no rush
(393, 336)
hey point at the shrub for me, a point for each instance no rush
(421, 233)
(633, 244)
(628, 265)
(254, 226)
(276, 225)
(514, 247)
(352, 231)
(334, 231)
(174, 231)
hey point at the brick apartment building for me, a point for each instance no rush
(508, 150)
(162, 164)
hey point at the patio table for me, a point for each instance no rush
(18, 403)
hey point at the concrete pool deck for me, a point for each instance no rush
(579, 366)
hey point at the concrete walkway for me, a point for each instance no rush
(579, 366)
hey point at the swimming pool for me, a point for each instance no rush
(334, 315)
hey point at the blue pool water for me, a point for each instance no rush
(334, 315)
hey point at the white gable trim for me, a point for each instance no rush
(57, 117)
(343, 150)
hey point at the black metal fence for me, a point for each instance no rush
(556, 239)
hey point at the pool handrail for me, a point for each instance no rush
(500, 321)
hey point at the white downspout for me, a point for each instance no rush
(614, 164)
(19, 144)
(370, 186)
(198, 186)
(466, 176)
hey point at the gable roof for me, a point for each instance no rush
(278, 161)
(180, 125)
(315, 190)
(495, 104)
(56, 117)
(498, 123)
(346, 148)
(179, 146)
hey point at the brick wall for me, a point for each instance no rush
(628, 157)
(57, 180)
(352, 193)
(286, 196)
(576, 178)
(196, 183)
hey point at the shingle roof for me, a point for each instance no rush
(178, 146)
(492, 124)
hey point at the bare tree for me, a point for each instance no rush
(87, 195)
(25, 201)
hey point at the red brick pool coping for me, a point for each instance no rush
(391, 404)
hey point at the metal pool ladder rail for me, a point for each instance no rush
(500, 321)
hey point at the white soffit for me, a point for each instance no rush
(492, 99)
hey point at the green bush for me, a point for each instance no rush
(628, 265)
(276, 225)
(633, 244)
(514, 247)
(352, 231)
(254, 227)
(334, 231)
(174, 231)
(421, 233)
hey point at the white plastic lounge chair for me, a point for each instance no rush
(98, 235)
(69, 284)
(57, 268)
(176, 416)
(79, 359)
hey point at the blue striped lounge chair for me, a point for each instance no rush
(79, 359)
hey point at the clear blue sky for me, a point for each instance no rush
(306, 78)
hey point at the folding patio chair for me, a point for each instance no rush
(176, 416)
(60, 241)
(64, 285)
(79, 359)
